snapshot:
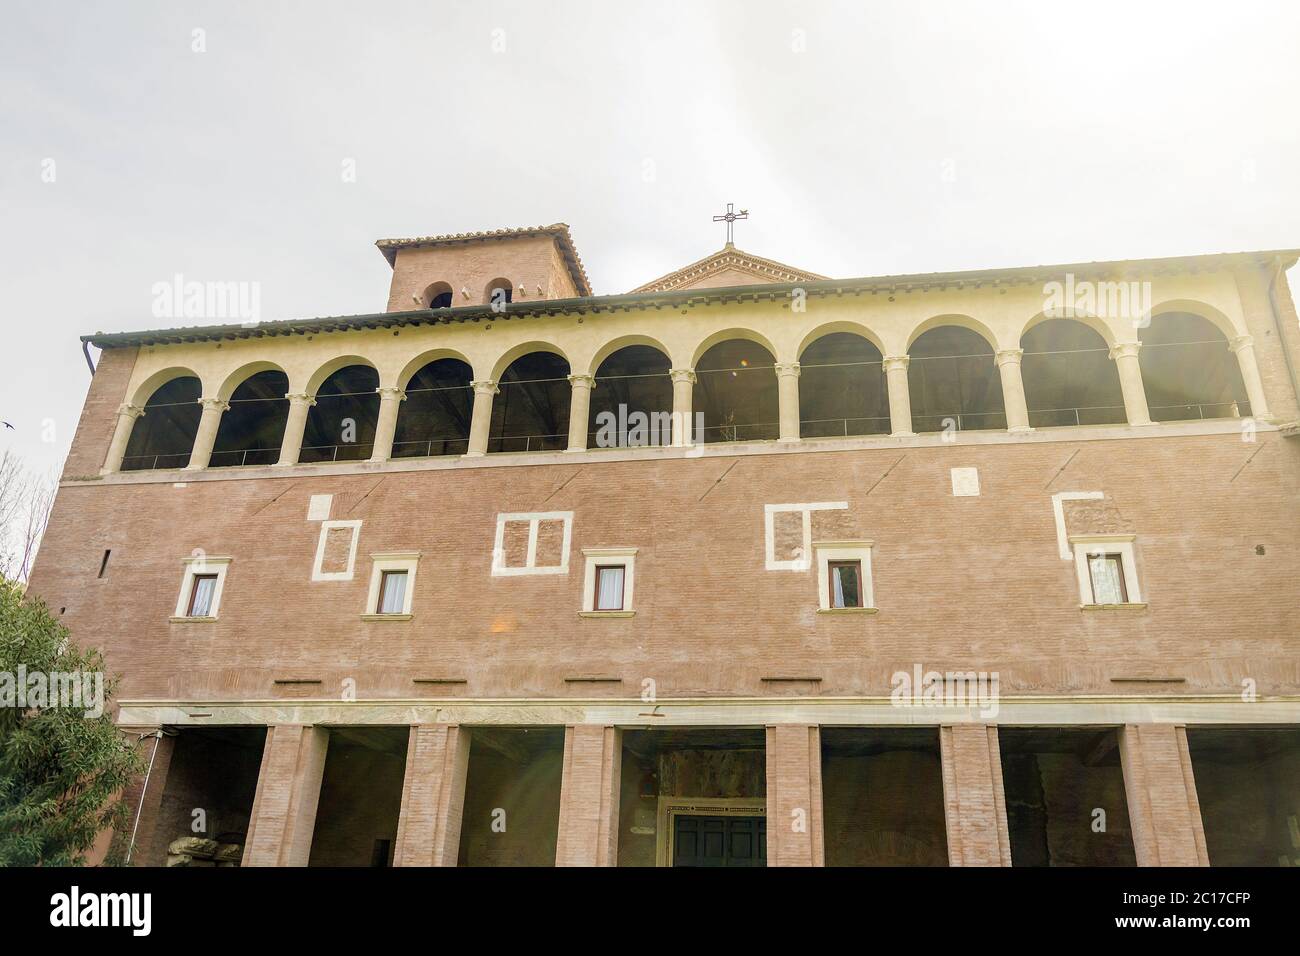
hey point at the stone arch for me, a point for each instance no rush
(426, 357)
(957, 319)
(625, 341)
(319, 376)
(242, 374)
(725, 335)
(508, 358)
(843, 389)
(1068, 375)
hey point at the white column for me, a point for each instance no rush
(390, 401)
(1013, 390)
(481, 419)
(294, 426)
(683, 397)
(1125, 355)
(126, 416)
(1243, 346)
(787, 392)
(206, 436)
(900, 401)
(580, 387)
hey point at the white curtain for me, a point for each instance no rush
(394, 600)
(1107, 580)
(609, 591)
(204, 588)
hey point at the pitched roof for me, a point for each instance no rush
(559, 231)
(728, 262)
(765, 290)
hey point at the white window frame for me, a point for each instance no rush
(196, 565)
(804, 561)
(530, 566)
(317, 572)
(828, 551)
(603, 558)
(383, 561)
(1094, 544)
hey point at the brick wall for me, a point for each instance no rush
(972, 582)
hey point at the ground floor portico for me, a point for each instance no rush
(721, 782)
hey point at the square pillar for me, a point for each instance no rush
(144, 796)
(794, 796)
(974, 803)
(1163, 809)
(433, 796)
(288, 789)
(589, 795)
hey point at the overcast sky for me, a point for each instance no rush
(865, 138)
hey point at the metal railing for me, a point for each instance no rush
(961, 421)
(1083, 415)
(508, 443)
(1197, 411)
(154, 462)
(238, 458)
(759, 431)
(430, 448)
(357, 451)
(843, 427)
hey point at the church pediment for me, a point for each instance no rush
(728, 266)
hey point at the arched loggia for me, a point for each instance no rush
(954, 382)
(252, 428)
(531, 411)
(736, 391)
(1069, 377)
(632, 401)
(341, 425)
(842, 388)
(1188, 370)
(435, 417)
(163, 437)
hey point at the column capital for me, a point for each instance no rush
(894, 362)
(391, 393)
(787, 368)
(1239, 342)
(127, 410)
(301, 398)
(679, 375)
(1124, 349)
(582, 381)
(220, 404)
(1009, 356)
(485, 387)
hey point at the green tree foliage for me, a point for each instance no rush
(61, 772)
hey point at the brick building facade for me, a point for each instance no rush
(918, 570)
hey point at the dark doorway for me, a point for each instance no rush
(720, 841)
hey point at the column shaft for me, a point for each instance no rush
(787, 384)
(390, 403)
(126, 416)
(480, 423)
(294, 426)
(1125, 355)
(1244, 347)
(580, 387)
(206, 436)
(1013, 390)
(900, 401)
(683, 398)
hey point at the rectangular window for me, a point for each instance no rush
(201, 593)
(846, 583)
(392, 593)
(1107, 571)
(609, 587)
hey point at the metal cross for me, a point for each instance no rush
(730, 218)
